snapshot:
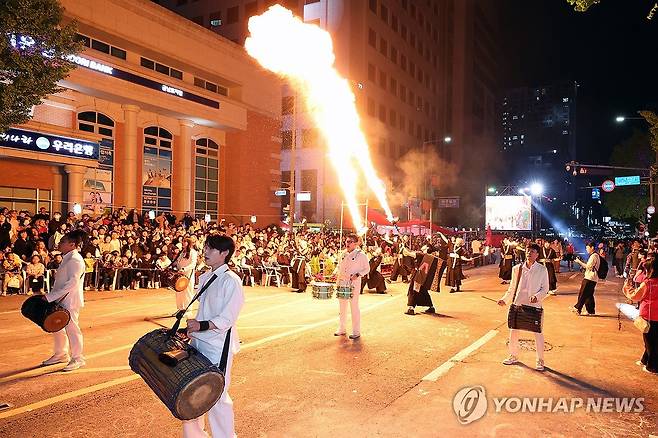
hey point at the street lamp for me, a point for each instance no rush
(622, 119)
(447, 139)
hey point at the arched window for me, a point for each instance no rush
(156, 173)
(206, 178)
(98, 187)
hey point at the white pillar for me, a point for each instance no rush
(182, 170)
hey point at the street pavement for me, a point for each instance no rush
(293, 378)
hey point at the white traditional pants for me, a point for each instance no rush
(69, 336)
(514, 344)
(356, 313)
(220, 416)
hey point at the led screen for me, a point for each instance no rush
(509, 213)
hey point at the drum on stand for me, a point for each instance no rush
(190, 388)
(175, 280)
(51, 317)
(322, 291)
(344, 292)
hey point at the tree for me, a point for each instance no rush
(34, 46)
(630, 202)
(582, 5)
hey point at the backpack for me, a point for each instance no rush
(602, 272)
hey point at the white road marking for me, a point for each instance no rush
(447, 365)
(122, 380)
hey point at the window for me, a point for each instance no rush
(286, 139)
(383, 47)
(287, 105)
(309, 183)
(100, 46)
(180, 2)
(85, 40)
(383, 13)
(310, 138)
(403, 32)
(382, 146)
(394, 55)
(118, 53)
(373, 5)
(392, 118)
(206, 178)
(392, 150)
(161, 68)
(97, 184)
(403, 93)
(202, 83)
(393, 87)
(412, 69)
(403, 62)
(372, 75)
(156, 179)
(394, 22)
(382, 79)
(371, 107)
(372, 37)
(233, 15)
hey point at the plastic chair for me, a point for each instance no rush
(271, 273)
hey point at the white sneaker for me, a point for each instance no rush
(74, 364)
(539, 365)
(511, 360)
(55, 359)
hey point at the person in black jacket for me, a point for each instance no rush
(5, 232)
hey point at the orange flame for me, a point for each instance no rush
(303, 54)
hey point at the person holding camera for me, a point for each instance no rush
(586, 293)
(219, 307)
(528, 287)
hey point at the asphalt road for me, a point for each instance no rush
(293, 378)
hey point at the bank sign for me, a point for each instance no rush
(51, 144)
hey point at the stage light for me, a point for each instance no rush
(77, 208)
(537, 189)
(206, 218)
(151, 214)
(253, 219)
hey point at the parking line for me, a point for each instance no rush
(447, 365)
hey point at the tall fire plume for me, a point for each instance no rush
(303, 54)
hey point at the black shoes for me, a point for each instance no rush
(430, 310)
(410, 312)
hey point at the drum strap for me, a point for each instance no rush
(181, 313)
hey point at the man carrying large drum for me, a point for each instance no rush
(351, 269)
(68, 290)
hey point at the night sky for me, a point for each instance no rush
(611, 51)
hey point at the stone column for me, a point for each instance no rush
(58, 191)
(182, 170)
(75, 176)
(127, 169)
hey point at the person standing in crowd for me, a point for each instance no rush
(570, 255)
(632, 260)
(586, 293)
(506, 261)
(454, 274)
(5, 232)
(352, 267)
(556, 246)
(546, 257)
(375, 280)
(618, 255)
(215, 328)
(529, 286)
(476, 248)
(187, 265)
(68, 290)
(647, 295)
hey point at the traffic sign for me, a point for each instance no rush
(608, 186)
(596, 193)
(627, 180)
(651, 209)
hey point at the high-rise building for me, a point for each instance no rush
(539, 136)
(424, 73)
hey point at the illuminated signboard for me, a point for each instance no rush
(139, 80)
(51, 144)
(627, 180)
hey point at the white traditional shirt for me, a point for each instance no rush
(69, 280)
(221, 304)
(534, 282)
(355, 262)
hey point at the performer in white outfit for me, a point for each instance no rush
(351, 269)
(69, 288)
(187, 265)
(530, 281)
(219, 307)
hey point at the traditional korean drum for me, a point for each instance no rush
(175, 280)
(190, 387)
(344, 292)
(51, 317)
(322, 291)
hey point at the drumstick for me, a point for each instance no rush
(490, 299)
